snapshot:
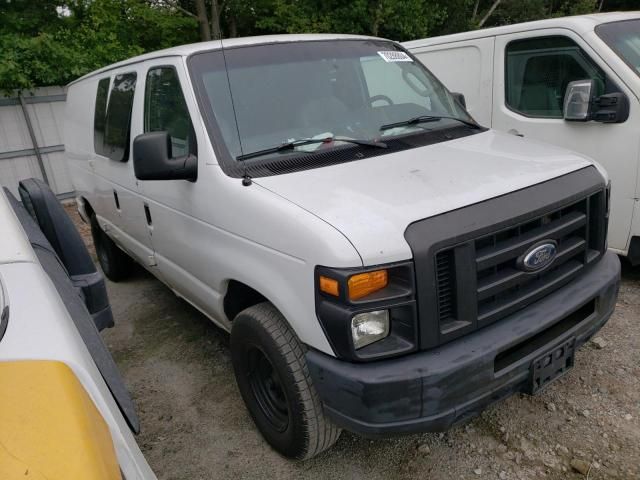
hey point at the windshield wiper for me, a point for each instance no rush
(308, 141)
(427, 119)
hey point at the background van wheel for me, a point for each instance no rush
(115, 264)
(274, 381)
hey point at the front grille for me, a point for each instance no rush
(483, 271)
(445, 274)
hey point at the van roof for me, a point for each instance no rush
(189, 49)
(578, 23)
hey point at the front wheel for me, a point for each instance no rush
(274, 382)
(115, 264)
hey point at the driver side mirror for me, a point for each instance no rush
(459, 97)
(152, 159)
(582, 104)
(577, 100)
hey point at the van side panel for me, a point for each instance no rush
(108, 186)
(224, 231)
(464, 67)
(78, 140)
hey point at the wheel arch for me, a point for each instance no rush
(240, 296)
(85, 209)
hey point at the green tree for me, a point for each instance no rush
(51, 42)
(47, 42)
(396, 19)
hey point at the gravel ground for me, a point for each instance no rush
(194, 424)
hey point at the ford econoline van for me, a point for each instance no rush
(384, 264)
(573, 82)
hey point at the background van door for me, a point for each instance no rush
(531, 73)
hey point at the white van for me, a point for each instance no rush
(572, 82)
(384, 264)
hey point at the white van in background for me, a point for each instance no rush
(532, 80)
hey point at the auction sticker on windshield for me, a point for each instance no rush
(395, 56)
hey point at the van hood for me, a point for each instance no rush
(372, 201)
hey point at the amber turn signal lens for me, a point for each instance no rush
(329, 286)
(363, 284)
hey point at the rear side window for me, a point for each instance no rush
(166, 110)
(116, 135)
(100, 115)
(538, 71)
(112, 124)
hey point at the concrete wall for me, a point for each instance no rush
(18, 154)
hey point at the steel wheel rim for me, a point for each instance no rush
(266, 386)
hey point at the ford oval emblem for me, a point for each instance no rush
(538, 256)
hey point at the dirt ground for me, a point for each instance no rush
(195, 426)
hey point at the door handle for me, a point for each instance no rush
(116, 199)
(147, 214)
(515, 132)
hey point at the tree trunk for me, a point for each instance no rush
(215, 20)
(475, 11)
(486, 17)
(203, 21)
(233, 27)
(600, 6)
(377, 18)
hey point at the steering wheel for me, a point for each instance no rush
(384, 98)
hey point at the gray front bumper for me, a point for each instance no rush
(433, 390)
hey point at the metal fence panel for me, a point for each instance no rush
(19, 151)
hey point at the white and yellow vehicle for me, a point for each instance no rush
(64, 411)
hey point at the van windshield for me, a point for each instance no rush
(624, 39)
(347, 92)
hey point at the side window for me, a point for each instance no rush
(166, 110)
(538, 71)
(100, 115)
(118, 119)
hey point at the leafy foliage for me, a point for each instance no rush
(53, 42)
(48, 42)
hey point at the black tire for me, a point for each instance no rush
(273, 378)
(115, 264)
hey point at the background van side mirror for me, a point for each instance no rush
(152, 159)
(577, 100)
(460, 98)
(581, 103)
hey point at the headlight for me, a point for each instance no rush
(368, 313)
(369, 327)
